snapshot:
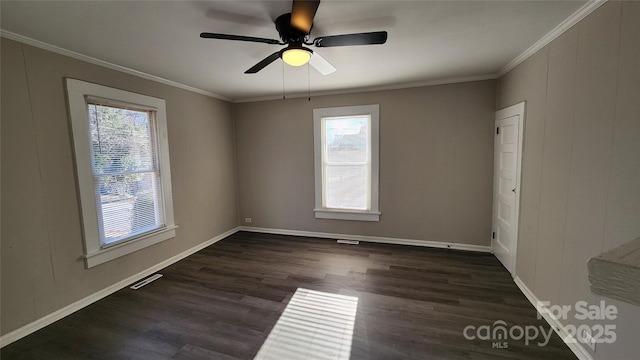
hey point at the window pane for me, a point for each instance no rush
(128, 205)
(347, 139)
(347, 187)
(127, 182)
(346, 162)
(121, 140)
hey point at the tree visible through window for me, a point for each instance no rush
(126, 171)
(121, 153)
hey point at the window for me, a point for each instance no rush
(346, 162)
(122, 162)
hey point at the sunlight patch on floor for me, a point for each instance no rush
(314, 325)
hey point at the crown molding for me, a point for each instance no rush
(400, 86)
(580, 14)
(576, 17)
(62, 51)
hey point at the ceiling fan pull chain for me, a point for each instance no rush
(309, 82)
(283, 97)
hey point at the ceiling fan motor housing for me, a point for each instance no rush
(288, 34)
(294, 29)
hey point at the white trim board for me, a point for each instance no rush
(71, 308)
(368, 89)
(374, 239)
(580, 14)
(78, 56)
(577, 348)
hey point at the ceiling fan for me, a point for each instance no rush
(294, 29)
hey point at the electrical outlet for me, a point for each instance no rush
(588, 339)
(247, 220)
(350, 242)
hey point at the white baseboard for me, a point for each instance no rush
(575, 346)
(69, 309)
(376, 239)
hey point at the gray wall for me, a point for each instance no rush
(42, 268)
(436, 163)
(581, 169)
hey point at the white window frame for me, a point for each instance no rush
(95, 253)
(322, 212)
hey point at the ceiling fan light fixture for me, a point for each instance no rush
(296, 56)
(294, 30)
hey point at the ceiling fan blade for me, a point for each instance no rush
(207, 35)
(268, 60)
(319, 63)
(370, 38)
(302, 14)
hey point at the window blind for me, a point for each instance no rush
(126, 172)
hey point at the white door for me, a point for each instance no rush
(507, 157)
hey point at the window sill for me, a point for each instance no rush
(347, 215)
(107, 254)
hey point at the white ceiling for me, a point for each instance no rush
(429, 41)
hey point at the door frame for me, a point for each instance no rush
(519, 110)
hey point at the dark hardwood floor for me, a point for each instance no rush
(221, 303)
